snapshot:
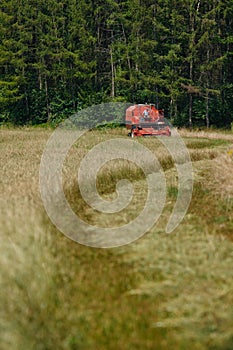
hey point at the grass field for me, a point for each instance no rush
(160, 292)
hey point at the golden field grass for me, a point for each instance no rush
(163, 291)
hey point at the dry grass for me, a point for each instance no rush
(223, 170)
(209, 134)
(163, 291)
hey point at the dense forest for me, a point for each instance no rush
(57, 57)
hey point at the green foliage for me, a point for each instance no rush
(58, 57)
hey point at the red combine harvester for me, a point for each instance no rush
(146, 120)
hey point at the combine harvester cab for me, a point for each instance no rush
(146, 120)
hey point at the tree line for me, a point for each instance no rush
(57, 57)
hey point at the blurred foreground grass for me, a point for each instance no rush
(161, 292)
